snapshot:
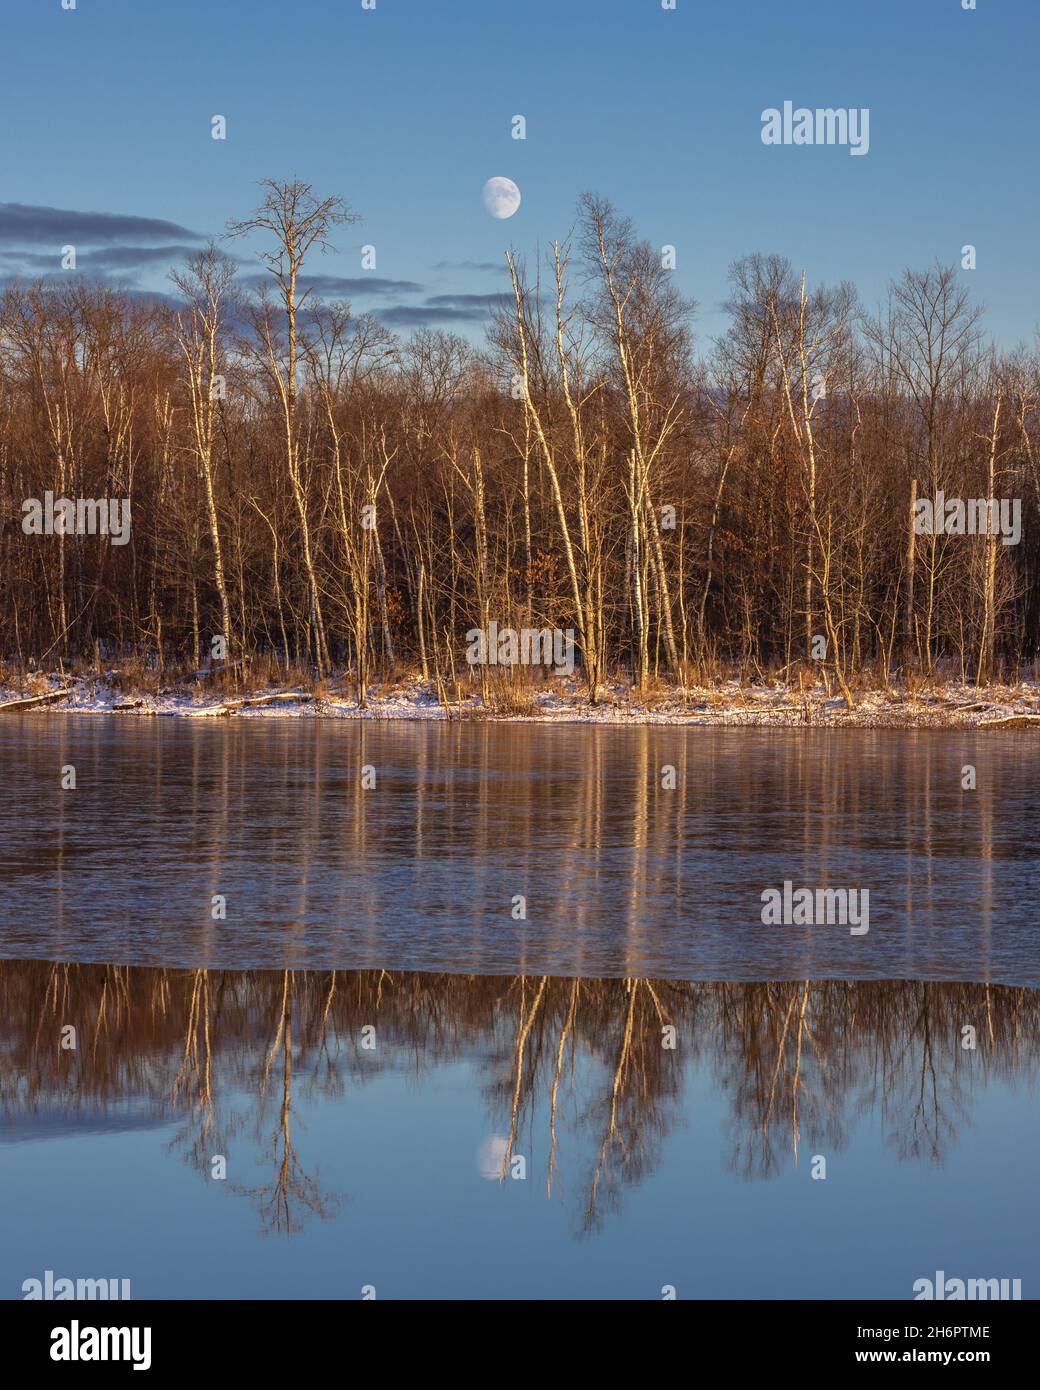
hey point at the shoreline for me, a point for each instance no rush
(951, 705)
(275, 971)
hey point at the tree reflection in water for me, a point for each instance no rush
(221, 1053)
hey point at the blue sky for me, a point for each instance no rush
(406, 111)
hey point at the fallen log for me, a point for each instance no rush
(1011, 721)
(29, 701)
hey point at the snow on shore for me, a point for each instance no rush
(949, 705)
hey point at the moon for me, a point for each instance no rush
(490, 1156)
(501, 197)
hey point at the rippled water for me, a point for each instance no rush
(622, 875)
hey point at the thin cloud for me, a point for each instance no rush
(339, 284)
(495, 267)
(469, 301)
(110, 258)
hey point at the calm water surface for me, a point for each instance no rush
(621, 876)
(393, 1165)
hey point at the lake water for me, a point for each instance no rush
(370, 1075)
(621, 875)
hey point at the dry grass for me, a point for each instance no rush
(656, 694)
(512, 697)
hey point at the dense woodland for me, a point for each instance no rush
(333, 499)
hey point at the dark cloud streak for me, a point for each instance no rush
(444, 308)
(26, 222)
(419, 316)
